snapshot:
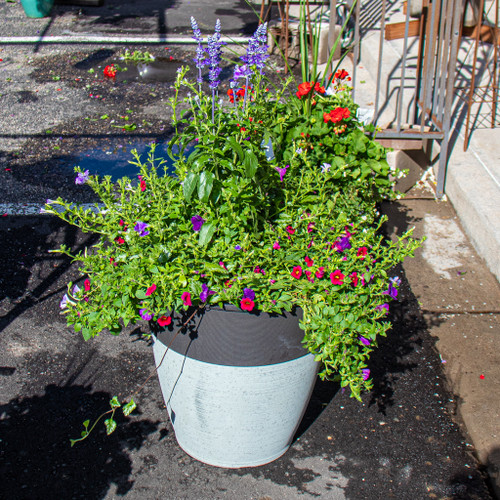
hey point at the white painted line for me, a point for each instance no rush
(99, 40)
(32, 208)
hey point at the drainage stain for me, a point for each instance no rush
(114, 159)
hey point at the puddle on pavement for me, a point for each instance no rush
(159, 70)
(162, 69)
(114, 158)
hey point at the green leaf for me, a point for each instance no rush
(114, 403)
(233, 144)
(189, 184)
(140, 294)
(86, 333)
(205, 186)
(250, 163)
(110, 426)
(129, 408)
(206, 233)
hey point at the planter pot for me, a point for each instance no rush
(235, 384)
(37, 8)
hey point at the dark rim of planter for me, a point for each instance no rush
(232, 337)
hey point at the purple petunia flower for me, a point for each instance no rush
(325, 167)
(396, 280)
(205, 292)
(82, 177)
(140, 227)
(281, 171)
(392, 292)
(248, 293)
(366, 373)
(64, 302)
(237, 247)
(342, 244)
(364, 340)
(145, 314)
(75, 290)
(197, 221)
(384, 307)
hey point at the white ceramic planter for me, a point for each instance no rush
(234, 416)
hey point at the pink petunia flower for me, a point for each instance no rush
(150, 290)
(186, 299)
(337, 278)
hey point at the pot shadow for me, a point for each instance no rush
(37, 460)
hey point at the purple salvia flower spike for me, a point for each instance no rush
(200, 59)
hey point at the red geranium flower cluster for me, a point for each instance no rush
(336, 115)
(240, 93)
(307, 87)
(342, 74)
(110, 71)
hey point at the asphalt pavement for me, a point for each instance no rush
(412, 437)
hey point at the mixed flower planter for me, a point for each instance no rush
(277, 248)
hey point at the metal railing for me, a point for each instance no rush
(422, 91)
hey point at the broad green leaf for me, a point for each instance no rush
(110, 426)
(140, 294)
(233, 144)
(189, 185)
(251, 163)
(206, 233)
(205, 186)
(129, 408)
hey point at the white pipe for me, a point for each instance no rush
(100, 40)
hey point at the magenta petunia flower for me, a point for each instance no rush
(297, 272)
(247, 304)
(366, 373)
(281, 171)
(309, 261)
(186, 299)
(337, 278)
(276, 245)
(320, 272)
(150, 290)
(364, 340)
